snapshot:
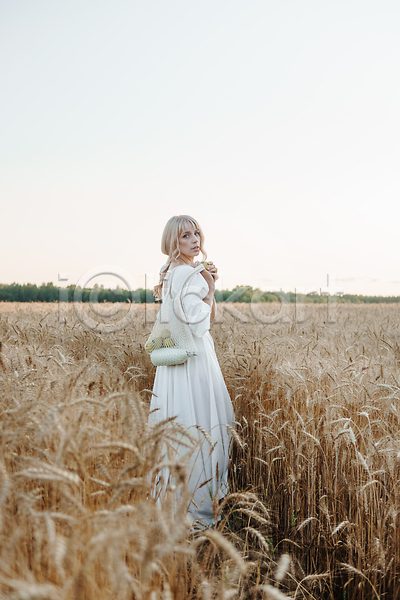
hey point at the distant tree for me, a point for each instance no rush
(48, 292)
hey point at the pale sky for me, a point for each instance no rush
(276, 124)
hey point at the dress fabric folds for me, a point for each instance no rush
(195, 393)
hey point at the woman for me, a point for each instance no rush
(195, 392)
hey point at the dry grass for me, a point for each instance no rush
(315, 474)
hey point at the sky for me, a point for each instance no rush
(275, 124)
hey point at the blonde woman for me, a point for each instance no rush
(195, 392)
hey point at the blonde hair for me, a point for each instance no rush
(170, 244)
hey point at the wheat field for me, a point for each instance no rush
(314, 503)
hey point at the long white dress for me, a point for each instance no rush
(196, 394)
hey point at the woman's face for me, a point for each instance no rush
(189, 241)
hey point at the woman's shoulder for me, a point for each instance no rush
(182, 273)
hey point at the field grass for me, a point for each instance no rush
(314, 507)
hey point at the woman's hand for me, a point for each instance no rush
(208, 275)
(209, 278)
(212, 269)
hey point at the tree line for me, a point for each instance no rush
(48, 292)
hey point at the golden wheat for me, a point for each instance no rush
(314, 507)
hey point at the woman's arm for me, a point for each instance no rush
(210, 278)
(210, 298)
(213, 310)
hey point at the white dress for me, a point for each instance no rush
(196, 394)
